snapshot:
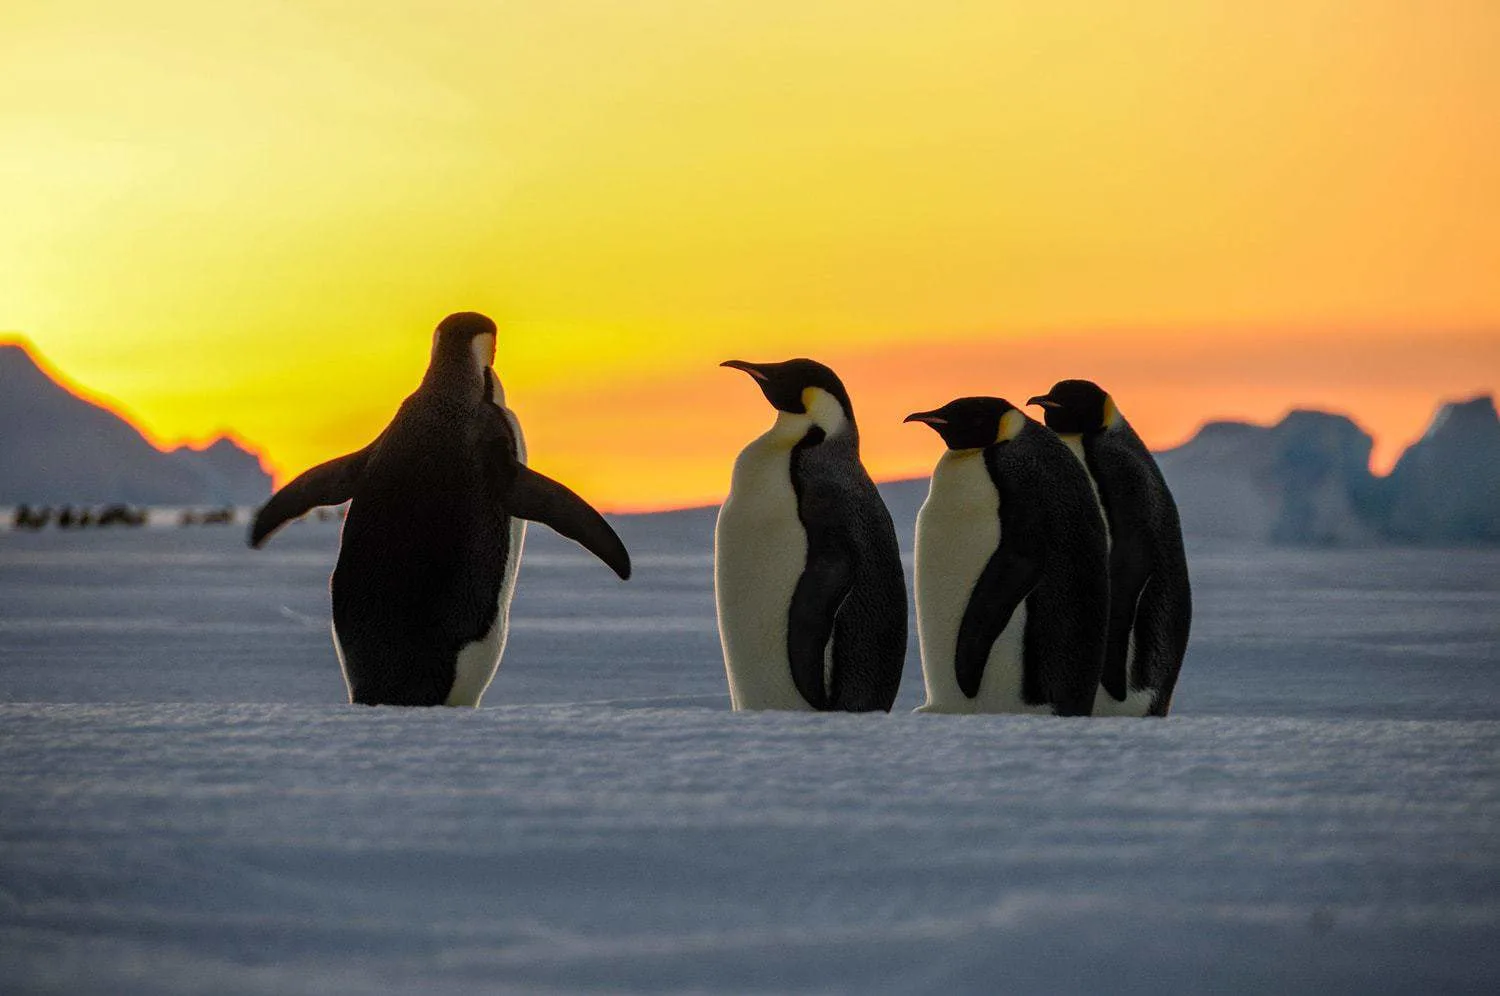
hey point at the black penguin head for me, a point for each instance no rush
(466, 333)
(974, 423)
(802, 387)
(1077, 407)
(463, 349)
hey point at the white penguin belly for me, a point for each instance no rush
(958, 530)
(1137, 701)
(479, 660)
(760, 548)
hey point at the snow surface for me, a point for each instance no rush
(186, 804)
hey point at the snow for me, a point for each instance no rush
(186, 805)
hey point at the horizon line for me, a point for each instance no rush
(198, 441)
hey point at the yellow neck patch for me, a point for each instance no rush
(1011, 424)
(824, 410)
(1111, 413)
(820, 409)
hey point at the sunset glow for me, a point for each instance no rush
(250, 217)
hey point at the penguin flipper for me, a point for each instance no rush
(1007, 579)
(539, 498)
(330, 483)
(827, 578)
(1130, 567)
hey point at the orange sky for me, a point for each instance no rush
(252, 216)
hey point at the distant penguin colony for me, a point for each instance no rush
(26, 517)
(808, 583)
(431, 542)
(1050, 575)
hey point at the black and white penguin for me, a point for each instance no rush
(432, 540)
(1011, 583)
(807, 575)
(1151, 602)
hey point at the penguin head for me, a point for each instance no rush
(467, 339)
(805, 392)
(1077, 407)
(974, 423)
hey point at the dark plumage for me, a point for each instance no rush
(1150, 593)
(1052, 556)
(845, 616)
(864, 595)
(426, 540)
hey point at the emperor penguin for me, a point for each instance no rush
(807, 576)
(1011, 584)
(432, 540)
(1150, 598)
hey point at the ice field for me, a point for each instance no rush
(187, 805)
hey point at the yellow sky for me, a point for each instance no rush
(251, 215)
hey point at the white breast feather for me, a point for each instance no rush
(958, 530)
(760, 548)
(479, 661)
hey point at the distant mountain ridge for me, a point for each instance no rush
(1446, 486)
(1306, 481)
(56, 448)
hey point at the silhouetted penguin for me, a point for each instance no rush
(807, 575)
(25, 517)
(1151, 603)
(1011, 577)
(432, 539)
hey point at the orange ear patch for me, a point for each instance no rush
(1011, 424)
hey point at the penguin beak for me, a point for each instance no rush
(926, 418)
(1045, 401)
(752, 369)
